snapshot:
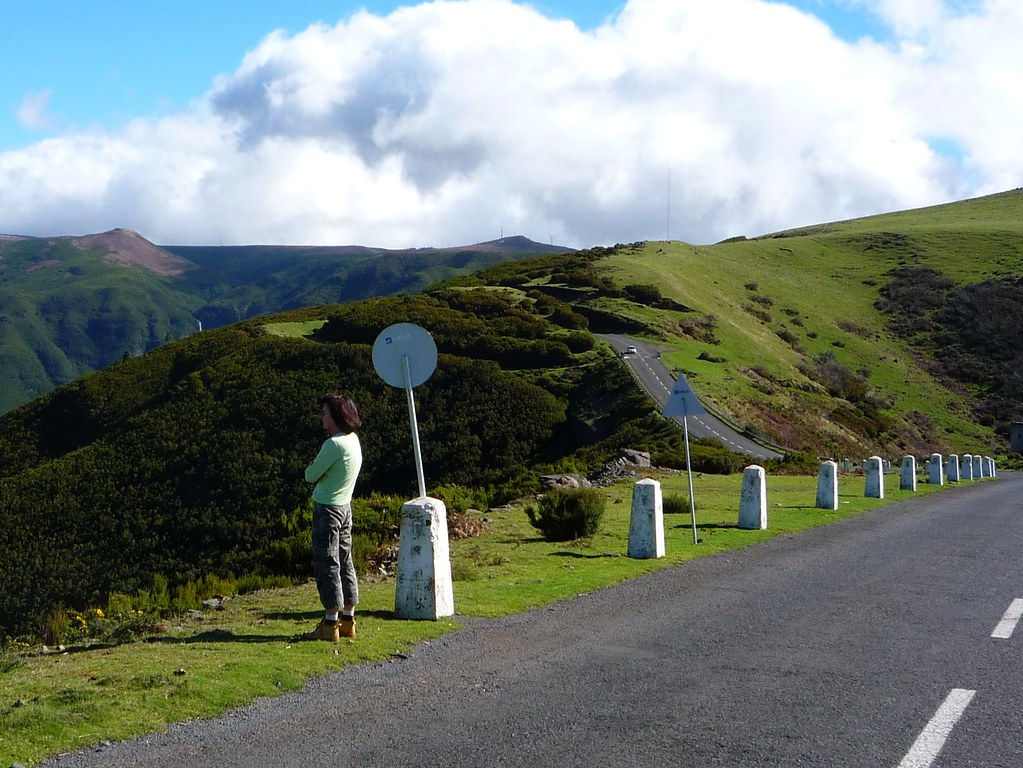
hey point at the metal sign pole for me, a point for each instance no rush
(689, 470)
(415, 428)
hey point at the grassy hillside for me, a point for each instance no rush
(65, 312)
(188, 461)
(236, 282)
(73, 305)
(844, 339)
(895, 333)
(806, 343)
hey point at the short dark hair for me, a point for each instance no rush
(343, 411)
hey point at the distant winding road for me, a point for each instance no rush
(658, 381)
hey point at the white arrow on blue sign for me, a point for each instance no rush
(683, 401)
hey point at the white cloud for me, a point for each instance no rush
(34, 111)
(444, 122)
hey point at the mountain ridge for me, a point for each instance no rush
(71, 304)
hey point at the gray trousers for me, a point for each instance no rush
(332, 556)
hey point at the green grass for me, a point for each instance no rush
(828, 278)
(203, 667)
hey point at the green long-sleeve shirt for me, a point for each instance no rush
(335, 469)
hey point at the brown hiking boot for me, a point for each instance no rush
(346, 626)
(325, 630)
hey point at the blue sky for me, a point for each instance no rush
(106, 62)
(450, 122)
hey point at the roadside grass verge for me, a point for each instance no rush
(201, 667)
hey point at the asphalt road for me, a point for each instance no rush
(833, 648)
(658, 381)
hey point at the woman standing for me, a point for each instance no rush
(334, 470)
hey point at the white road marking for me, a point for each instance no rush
(1009, 621)
(930, 741)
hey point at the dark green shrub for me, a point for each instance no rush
(837, 378)
(291, 556)
(788, 336)
(458, 498)
(800, 463)
(701, 328)
(705, 355)
(759, 314)
(363, 551)
(711, 459)
(579, 341)
(1013, 461)
(563, 315)
(571, 514)
(642, 293)
(581, 277)
(377, 517)
(676, 504)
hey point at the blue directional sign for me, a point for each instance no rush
(683, 401)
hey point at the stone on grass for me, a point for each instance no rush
(753, 500)
(423, 589)
(874, 487)
(636, 458)
(952, 468)
(827, 485)
(907, 478)
(563, 482)
(967, 467)
(646, 525)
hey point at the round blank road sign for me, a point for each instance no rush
(404, 340)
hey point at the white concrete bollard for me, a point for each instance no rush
(967, 467)
(827, 485)
(978, 464)
(935, 470)
(985, 467)
(952, 468)
(846, 465)
(646, 525)
(753, 501)
(423, 589)
(994, 469)
(875, 478)
(907, 478)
